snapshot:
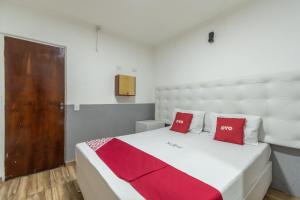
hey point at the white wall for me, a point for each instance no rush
(259, 38)
(89, 75)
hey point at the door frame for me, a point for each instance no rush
(2, 95)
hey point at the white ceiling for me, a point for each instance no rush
(146, 21)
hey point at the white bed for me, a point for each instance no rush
(237, 171)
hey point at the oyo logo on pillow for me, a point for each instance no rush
(179, 121)
(226, 128)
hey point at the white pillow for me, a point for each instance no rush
(197, 121)
(251, 129)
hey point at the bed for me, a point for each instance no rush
(239, 172)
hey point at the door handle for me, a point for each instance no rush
(61, 106)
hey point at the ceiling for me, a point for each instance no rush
(146, 21)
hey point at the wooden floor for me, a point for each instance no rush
(56, 184)
(60, 184)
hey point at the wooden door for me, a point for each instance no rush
(34, 107)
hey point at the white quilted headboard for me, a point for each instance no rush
(275, 98)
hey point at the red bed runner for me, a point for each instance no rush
(151, 177)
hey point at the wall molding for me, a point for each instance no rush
(2, 106)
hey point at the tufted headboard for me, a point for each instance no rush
(276, 98)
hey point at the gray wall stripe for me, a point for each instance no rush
(102, 120)
(109, 120)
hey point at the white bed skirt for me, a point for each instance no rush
(94, 187)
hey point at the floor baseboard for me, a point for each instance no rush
(70, 162)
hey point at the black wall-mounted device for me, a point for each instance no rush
(211, 37)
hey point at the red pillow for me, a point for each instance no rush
(182, 122)
(230, 130)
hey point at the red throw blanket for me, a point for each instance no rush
(128, 162)
(151, 177)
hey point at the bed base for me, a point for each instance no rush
(262, 184)
(91, 188)
(96, 188)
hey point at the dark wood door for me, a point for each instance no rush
(34, 107)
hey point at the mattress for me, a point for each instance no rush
(230, 168)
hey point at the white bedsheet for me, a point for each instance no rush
(230, 168)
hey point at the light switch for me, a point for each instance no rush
(76, 107)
